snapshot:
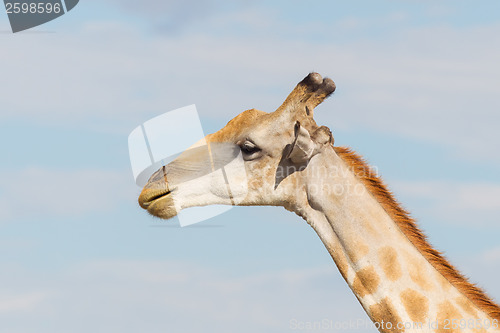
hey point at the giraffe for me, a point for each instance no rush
(400, 280)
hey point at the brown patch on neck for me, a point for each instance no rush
(407, 225)
(420, 279)
(384, 312)
(389, 261)
(365, 282)
(447, 314)
(416, 305)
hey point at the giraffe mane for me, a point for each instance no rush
(408, 226)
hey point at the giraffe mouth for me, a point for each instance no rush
(160, 204)
(148, 198)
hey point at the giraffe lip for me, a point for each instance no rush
(147, 200)
(159, 196)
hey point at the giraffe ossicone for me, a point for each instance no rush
(402, 283)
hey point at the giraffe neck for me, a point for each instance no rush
(398, 287)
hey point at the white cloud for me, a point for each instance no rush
(467, 203)
(159, 296)
(169, 16)
(483, 268)
(491, 257)
(437, 84)
(42, 192)
(440, 10)
(21, 303)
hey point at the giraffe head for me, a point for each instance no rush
(258, 158)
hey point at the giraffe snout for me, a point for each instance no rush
(156, 188)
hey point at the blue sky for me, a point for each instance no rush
(417, 95)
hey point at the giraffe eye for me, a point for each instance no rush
(249, 148)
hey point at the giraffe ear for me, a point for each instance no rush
(302, 147)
